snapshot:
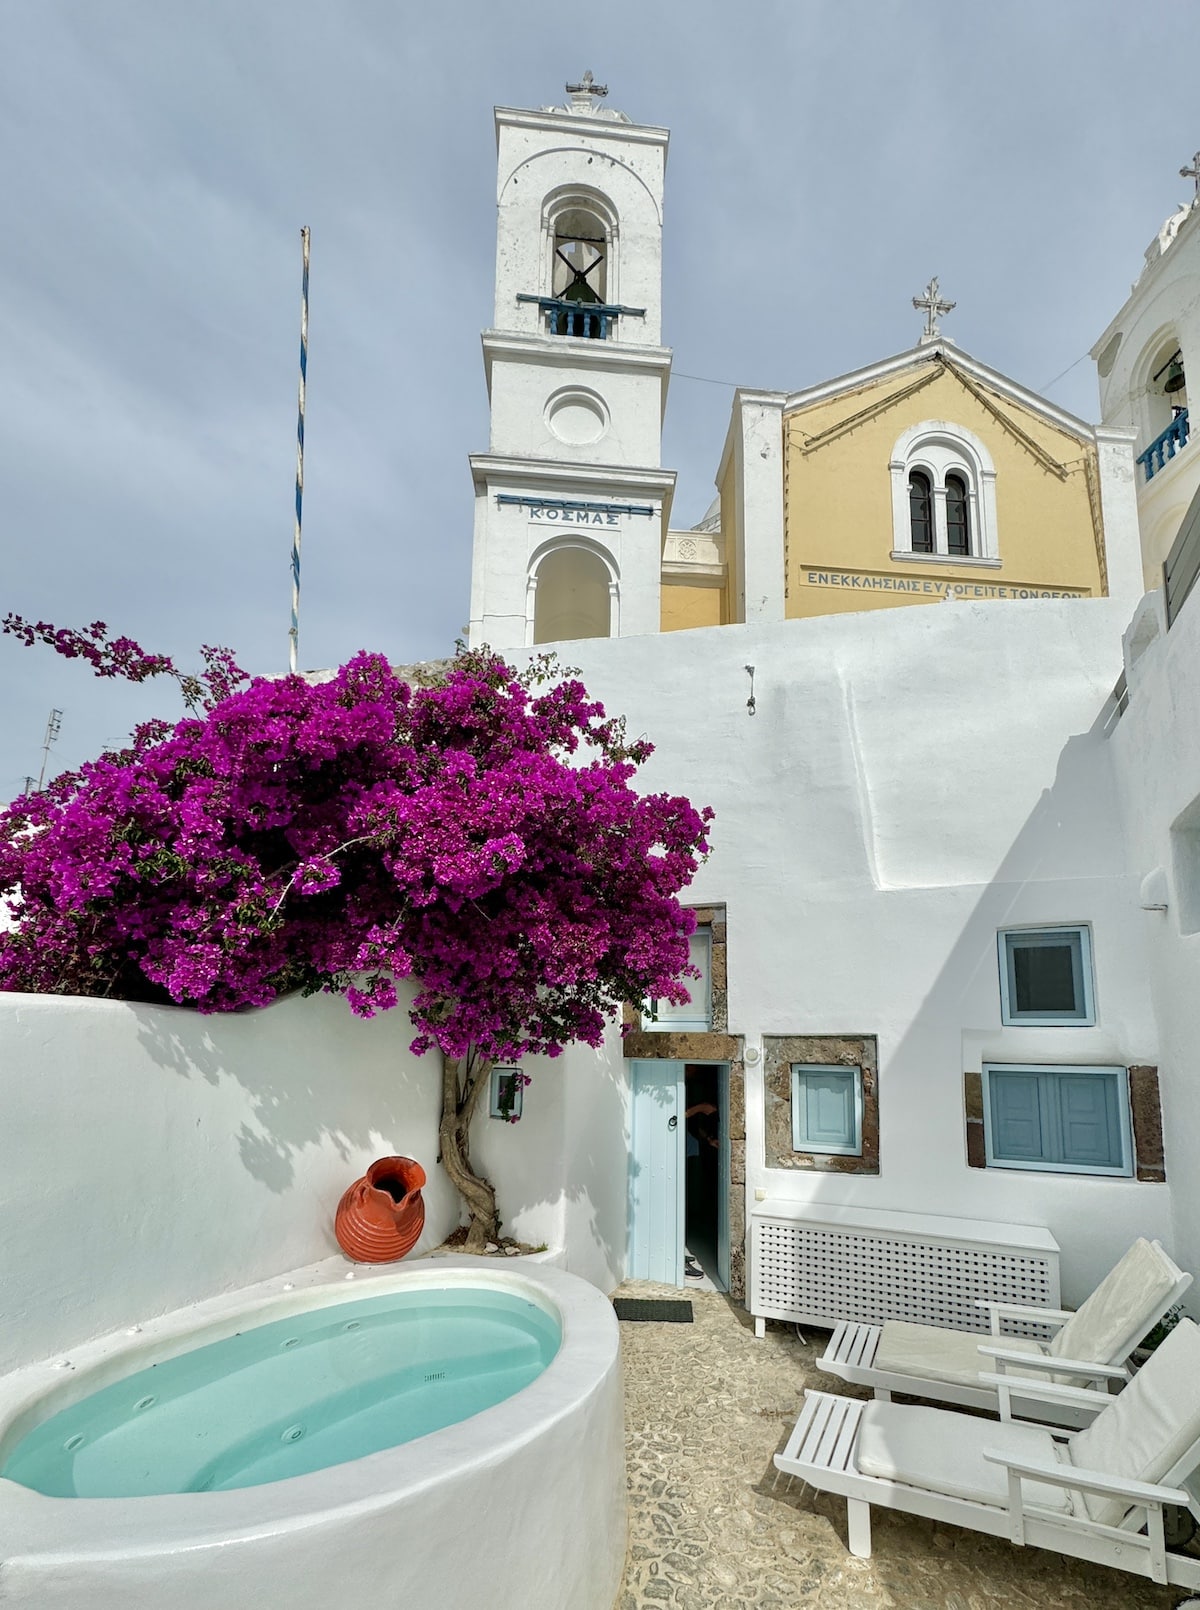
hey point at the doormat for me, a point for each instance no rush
(669, 1310)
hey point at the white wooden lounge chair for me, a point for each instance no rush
(1096, 1494)
(1089, 1346)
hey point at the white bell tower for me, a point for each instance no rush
(571, 502)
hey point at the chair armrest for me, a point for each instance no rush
(997, 1312)
(1053, 1316)
(1088, 1481)
(1068, 1366)
(1047, 1391)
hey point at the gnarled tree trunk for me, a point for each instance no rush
(463, 1083)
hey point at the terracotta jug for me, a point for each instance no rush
(381, 1216)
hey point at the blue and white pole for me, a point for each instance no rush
(294, 634)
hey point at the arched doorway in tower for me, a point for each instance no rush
(574, 596)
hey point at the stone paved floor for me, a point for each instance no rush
(713, 1526)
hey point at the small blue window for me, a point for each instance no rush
(1046, 976)
(826, 1109)
(1065, 1120)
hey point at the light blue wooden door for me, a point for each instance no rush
(656, 1173)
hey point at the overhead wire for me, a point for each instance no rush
(709, 380)
(1065, 372)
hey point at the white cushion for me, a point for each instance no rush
(934, 1354)
(1120, 1311)
(1149, 1426)
(942, 1452)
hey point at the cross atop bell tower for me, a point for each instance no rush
(582, 94)
(571, 499)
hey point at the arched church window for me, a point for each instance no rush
(958, 515)
(920, 511)
(573, 598)
(943, 495)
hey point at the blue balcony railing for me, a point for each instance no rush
(1165, 445)
(589, 320)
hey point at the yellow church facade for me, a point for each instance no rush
(924, 476)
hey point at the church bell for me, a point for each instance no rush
(1176, 379)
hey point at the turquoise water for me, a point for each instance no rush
(292, 1396)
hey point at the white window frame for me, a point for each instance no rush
(1124, 1170)
(799, 1142)
(501, 1071)
(690, 1020)
(940, 449)
(1044, 933)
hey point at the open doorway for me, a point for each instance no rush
(679, 1166)
(706, 1176)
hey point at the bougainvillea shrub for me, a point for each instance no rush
(481, 836)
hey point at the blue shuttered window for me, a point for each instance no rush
(1066, 1120)
(826, 1109)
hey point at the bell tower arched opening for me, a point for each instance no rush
(1166, 387)
(574, 596)
(581, 248)
(581, 232)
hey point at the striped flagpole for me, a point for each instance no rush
(294, 634)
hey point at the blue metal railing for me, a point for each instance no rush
(1165, 445)
(590, 320)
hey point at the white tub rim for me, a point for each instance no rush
(34, 1525)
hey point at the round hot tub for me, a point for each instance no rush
(448, 1434)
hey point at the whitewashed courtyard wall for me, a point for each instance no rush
(151, 1157)
(897, 796)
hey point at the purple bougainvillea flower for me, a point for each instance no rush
(482, 836)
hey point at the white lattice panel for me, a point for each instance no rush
(818, 1273)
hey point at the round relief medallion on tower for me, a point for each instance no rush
(577, 417)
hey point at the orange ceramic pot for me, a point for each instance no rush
(381, 1216)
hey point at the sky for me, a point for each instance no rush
(158, 159)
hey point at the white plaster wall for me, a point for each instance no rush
(1156, 751)
(595, 1170)
(522, 387)
(899, 794)
(758, 422)
(1119, 477)
(151, 1157)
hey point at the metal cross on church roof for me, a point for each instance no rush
(587, 86)
(933, 305)
(1193, 172)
